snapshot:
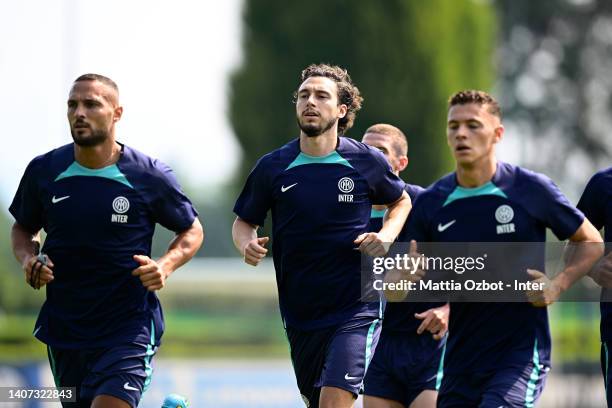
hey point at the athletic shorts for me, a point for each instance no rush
(404, 365)
(337, 356)
(121, 371)
(509, 387)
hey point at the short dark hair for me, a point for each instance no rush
(477, 97)
(348, 93)
(99, 78)
(400, 142)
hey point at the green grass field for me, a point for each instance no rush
(190, 334)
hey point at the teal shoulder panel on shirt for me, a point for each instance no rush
(110, 172)
(377, 213)
(462, 192)
(332, 158)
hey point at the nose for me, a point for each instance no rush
(311, 100)
(79, 111)
(461, 132)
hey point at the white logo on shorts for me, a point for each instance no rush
(121, 205)
(347, 377)
(128, 387)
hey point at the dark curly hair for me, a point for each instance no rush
(477, 97)
(348, 93)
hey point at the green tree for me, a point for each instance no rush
(406, 56)
(554, 75)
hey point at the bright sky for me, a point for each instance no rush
(171, 60)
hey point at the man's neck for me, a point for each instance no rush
(97, 157)
(476, 174)
(321, 145)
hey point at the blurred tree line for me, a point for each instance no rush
(406, 57)
(554, 60)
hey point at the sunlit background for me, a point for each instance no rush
(207, 88)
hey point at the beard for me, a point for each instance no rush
(97, 137)
(312, 130)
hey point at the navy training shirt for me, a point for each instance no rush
(96, 220)
(319, 206)
(596, 204)
(487, 336)
(399, 316)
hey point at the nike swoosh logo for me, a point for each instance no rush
(57, 200)
(129, 388)
(283, 188)
(349, 378)
(36, 331)
(444, 227)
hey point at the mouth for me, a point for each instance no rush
(310, 114)
(462, 148)
(81, 125)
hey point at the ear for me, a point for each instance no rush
(499, 133)
(118, 112)
(342, 110)
(402, 163)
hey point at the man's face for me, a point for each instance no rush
(317, 106)
(92, 112)
(472, 133)
(384, 143)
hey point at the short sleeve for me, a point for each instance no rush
(171, 207)
(385, 186)
(555, 210)
(416, 227)
(255, 199)
(593, 201)
(413, 191)
(27, 206)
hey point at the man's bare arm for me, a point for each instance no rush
(395, 217)
(26, 246)
(583, 251)
(377, 243)
(247, 243)
(588, 249)
(182, 248)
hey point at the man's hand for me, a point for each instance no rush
(152, 276)
(549, 293)
(602, 272)
(373, 244)
(397, 275)
(38, 270)
(435, 321)
(254, 250)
